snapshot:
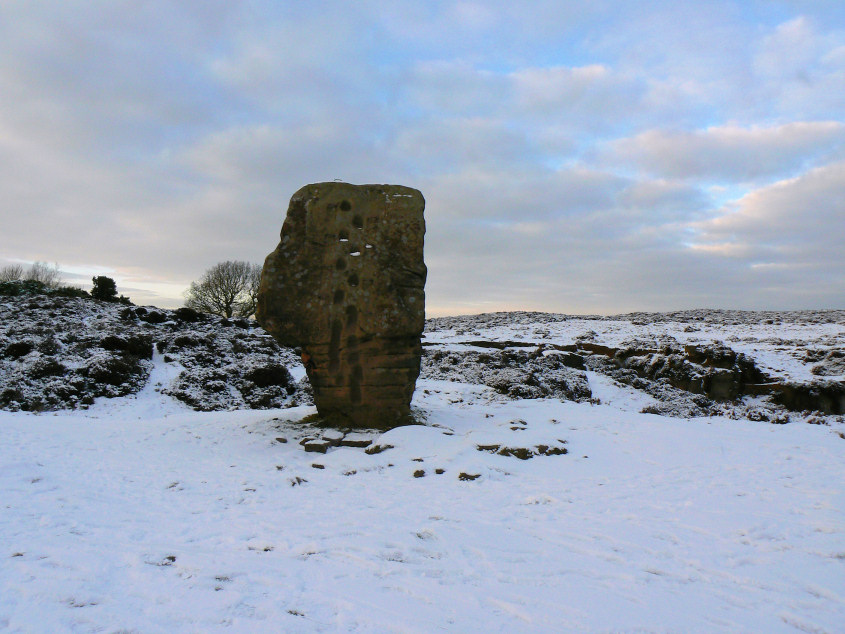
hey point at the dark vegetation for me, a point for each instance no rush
(105, 289)
(49, 360)
(59, 351)
(19, 288)
(42, 279)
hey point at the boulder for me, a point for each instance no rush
(346, 286)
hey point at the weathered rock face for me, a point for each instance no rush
(346, 285)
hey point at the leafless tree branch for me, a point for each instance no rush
(227, 289)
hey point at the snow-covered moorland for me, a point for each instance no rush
(571, 474)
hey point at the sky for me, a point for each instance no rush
(579, 157)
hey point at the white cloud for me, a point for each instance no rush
(455, 87)
(784, 240)
(790, 50)
(730, 152)
(800, 69)
(443, 146)
(154, 140)
(557, 90)
(800, 217)
(509, 196)
(663, 195)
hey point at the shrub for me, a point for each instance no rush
(46, 367)
(104, 288)
(19, 349)
(10, 395)
(11, 273)
(152, 317)
(113, 370)
(70, 291)
(49, 345)
(136, 345)
(188, 315)
(271, 374)
(49, 276)
(17, 288)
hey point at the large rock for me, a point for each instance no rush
(346, 286)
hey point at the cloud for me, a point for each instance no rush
(455, 87)
(569, 154)
(663, 195)
(263, 155)
(795, 220)
(782, 241)
(800, 69)
(498, 196)
(790, 50)
(579, 99)
(731, 153)
(555, 239)
(449, 145)
(586, 94)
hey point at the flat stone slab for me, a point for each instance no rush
(356, 440)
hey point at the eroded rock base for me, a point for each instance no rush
(363, 383)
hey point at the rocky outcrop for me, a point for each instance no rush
(61, 353)
(689, 380)
(826, 397)
(515, 374)
(713, 370)
(345, 285)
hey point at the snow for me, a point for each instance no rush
(142, 515)
(58, 353)
(772, 345)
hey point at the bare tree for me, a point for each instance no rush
(250, 297)
(49, 276)
(227, 289)
(11, 273)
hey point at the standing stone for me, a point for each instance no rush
(345, 285)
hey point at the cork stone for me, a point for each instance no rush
(346, 286)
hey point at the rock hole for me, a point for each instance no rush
(345, 205)
(334, 346)
(351, 315)
(355, 384)
(338, 296)
(352, 279)
(358, 222)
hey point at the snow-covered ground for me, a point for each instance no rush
(140, 515)
(777, 341)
